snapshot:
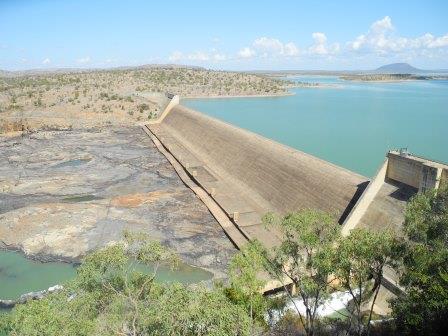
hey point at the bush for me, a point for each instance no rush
(110, 296)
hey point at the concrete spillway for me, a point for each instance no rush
(240, 176)
(249, 175)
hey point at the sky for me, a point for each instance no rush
(227, 35)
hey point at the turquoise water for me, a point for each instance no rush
(351, 124)
(19, 275)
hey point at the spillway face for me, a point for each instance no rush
(249, 175)
(383, 204)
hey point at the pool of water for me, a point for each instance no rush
(352, 124)
(72, 163)
(19, 275)
(80, 198)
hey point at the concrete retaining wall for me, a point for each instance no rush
(404, 170)
(365, 200)
(169, 106)
(416, 172)
(444, 177)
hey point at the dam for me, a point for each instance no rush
(248, 175)
(240, 176)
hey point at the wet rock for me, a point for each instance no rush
(24, 298)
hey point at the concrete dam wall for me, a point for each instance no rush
(249, 175)
(240, 176)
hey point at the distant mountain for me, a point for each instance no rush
(398, 68)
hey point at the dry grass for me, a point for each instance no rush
(94, 98)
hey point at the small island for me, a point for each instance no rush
(395, 72)
(386, 77)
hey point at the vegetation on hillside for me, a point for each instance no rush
(319, 262)
(111, 297)
(117, 96)
(424, 308)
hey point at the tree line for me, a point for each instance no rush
(110, 296)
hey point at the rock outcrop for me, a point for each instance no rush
(65, 193)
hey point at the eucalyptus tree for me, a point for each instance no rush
(304, 258)
(423, 309)
(115, 293)
(246, 285)
(359, 262)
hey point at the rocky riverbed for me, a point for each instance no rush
(65, 193)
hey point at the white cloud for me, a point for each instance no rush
(175, 56)
(382, 26)
(382, 40)
(436, 42)
(46, 61)
(83, 60)
(319, 38)
(320, 46)
(198, 56)
(246, 53)
(219, 57)
(377, 38)
(268, 44)
(269, 47)
(291, 49)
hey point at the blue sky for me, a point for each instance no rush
(238, 35)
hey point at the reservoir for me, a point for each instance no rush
(351, 124)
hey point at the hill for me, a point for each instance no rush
(84, 97)
(398, 68)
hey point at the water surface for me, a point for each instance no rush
(19, 275)
(352, 124)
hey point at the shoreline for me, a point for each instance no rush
(241, 96)
(384, 81)
(286, 94)
(43, 257)
(322, 86)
